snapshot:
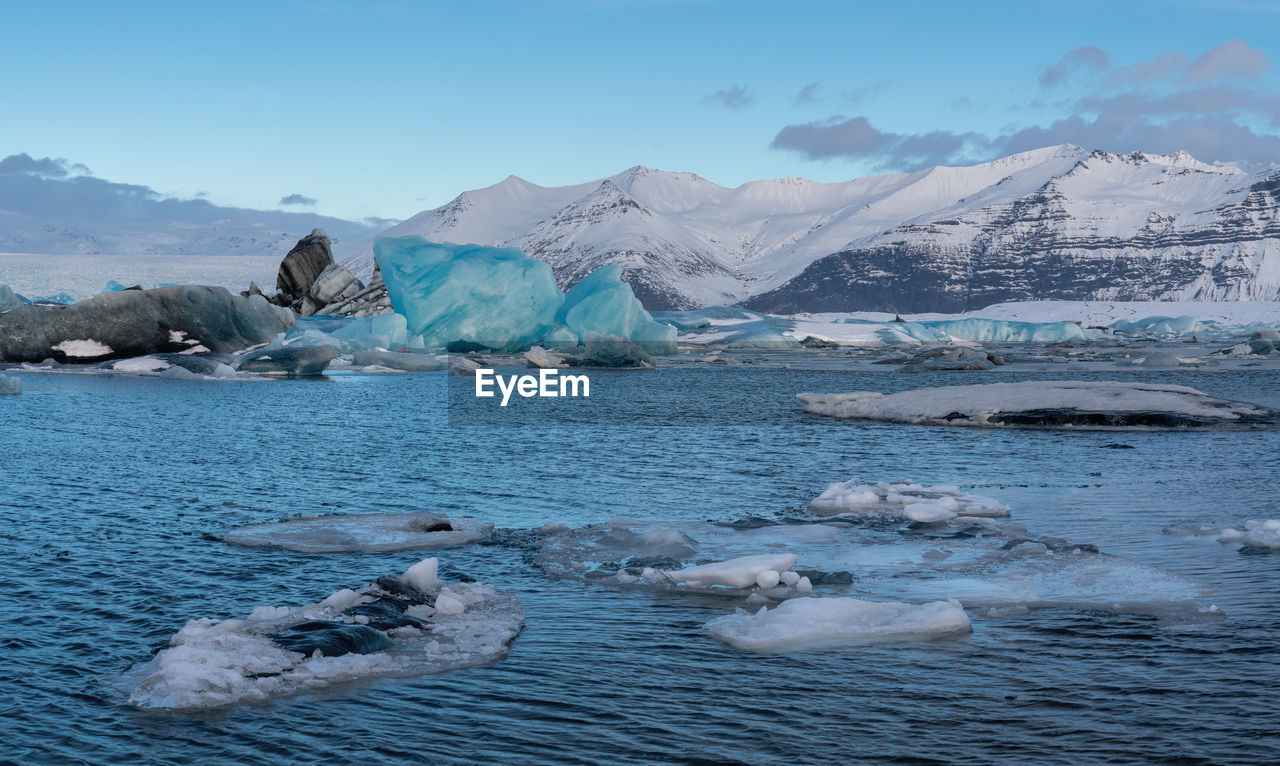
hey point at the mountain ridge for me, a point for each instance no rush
(1059, 222)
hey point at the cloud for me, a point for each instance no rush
(1215, 106)
(1233, 58)
(38, 192)
(296, 199)
(47, 167)
(733, 97)
(857, 138)
(1086, 57)
(808, 94)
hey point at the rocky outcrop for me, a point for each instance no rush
(369, 301)
(129, 323)
(334, 285)
(300, 268)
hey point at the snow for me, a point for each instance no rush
(361, 532)
(1084, 404)
(213, 664)
(813, 623)
(85, 348)
(897, 498)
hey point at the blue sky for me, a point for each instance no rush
(383, 108)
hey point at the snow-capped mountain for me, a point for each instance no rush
(1054, 223)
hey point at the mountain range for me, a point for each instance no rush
(1060, 223)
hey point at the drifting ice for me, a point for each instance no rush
(1044, 404)
(905, 499)
(808, 623)
(362, 532)
(398, 627)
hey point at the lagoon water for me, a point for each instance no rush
(115, 492)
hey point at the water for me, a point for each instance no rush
(83, 276)
(114, 492)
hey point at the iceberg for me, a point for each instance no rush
(1253, 536)
(1158, 325)
(496, 297)
(372, 532)
(9, 299)
(458, 297)
(10, 385)
(602, 303)
(399, 626)
(812, 623)
(129, 323)
(993, 331)
(1046, 404)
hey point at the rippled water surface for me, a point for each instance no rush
(115, 492)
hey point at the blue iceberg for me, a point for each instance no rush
(495, 297)
(459, 297)
(602, 303)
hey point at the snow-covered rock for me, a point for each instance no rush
(1045, 404)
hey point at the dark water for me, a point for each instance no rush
(114, 490)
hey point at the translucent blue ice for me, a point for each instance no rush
(496, 297)
(992, 331)
(1183, 325)
(601, 302)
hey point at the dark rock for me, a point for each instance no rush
(291, 360)
(299, 269)
(129, 323)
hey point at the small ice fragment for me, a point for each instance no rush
(768, 578)
(423, 575)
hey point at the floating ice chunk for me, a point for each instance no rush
(381, 630)
(10, 385)
(8, 298)
(422, 575)
(1254, 534)
(495, 297)
(362, 532)
(385, 331)
(812, 623)
(539, 358)
(734, 573)
(397, 360)
(1045, 404)
(1183, 325)
(602, 303)
(893, 499)
(141, 364)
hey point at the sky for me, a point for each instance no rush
(383, 108)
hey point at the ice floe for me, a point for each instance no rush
(1045, 404)
(1256, 536)
(402, 626)
(362, 532)
(812, 623)
(905, 499)
(899, 541)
